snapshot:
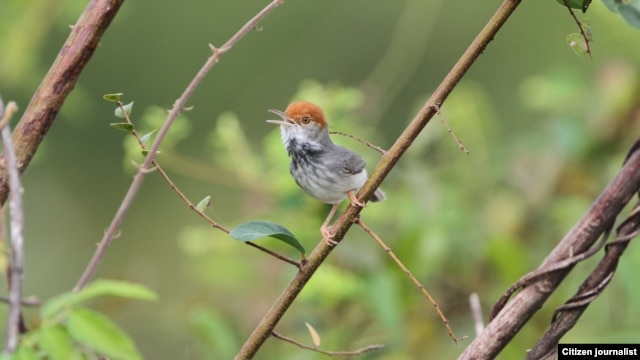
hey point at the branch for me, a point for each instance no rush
(57, 84)
(330, 353)
(16, 266)
(148, 161)
(566, 316)
(264, 329)
(584, 234)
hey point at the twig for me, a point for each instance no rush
(584, 35)
(267, 324)
(188, 202)
(29, 301)
(148, 161)
(17, 224)
(436, 107)
(330, 353)
(413, 279)
(476, 312)
(374, 147)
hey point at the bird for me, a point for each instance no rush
(323, 170)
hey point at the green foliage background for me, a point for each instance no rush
(546, 129)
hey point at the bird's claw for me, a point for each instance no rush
(327, 236)
(354, 201)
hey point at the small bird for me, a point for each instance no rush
(322, 169)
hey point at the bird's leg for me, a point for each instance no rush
(352, 198)
(325, 230)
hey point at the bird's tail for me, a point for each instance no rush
(378, 195)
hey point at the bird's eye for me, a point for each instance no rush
(306, 120)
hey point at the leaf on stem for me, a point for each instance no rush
(99, 333)
(112, 97)
(253, 230)
(145, 138)
(204, 203)
(96, 289)
(315, 337)
(118, 112)
(123, 126)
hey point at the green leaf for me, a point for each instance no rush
(576, 4)
(145, 138)
(258, 229)
(55, 341)
(577, 44)
(22, 353)
(101, 334)
(204, 203)
(96, 289)
(123, 126)
(213, 332)
(112, 97)
(630, 11)
(127, 110)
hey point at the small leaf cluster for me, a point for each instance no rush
(70, 330)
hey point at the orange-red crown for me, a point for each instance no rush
(299, 109)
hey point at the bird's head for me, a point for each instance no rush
(303, 123)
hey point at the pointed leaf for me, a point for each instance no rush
(145, 138)
(101, 334)
(122, 126)
(112, 97)
(315, 337)
(56, 342)
(94, 290)
(127, 110)
(204, 203)
(258, 229)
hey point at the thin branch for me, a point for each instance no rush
(436, 107)
(267, 324)
(16, 215)
(413, 279)
(369, 144)
(148, 161)
(57, 84)
(330, 353)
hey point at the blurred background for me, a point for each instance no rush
(547, 130)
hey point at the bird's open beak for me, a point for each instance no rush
(286, 121)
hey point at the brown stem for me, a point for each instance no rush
(58, 83)
(330, 353)
(264, 329)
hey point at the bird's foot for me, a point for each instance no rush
(354, 201)
(327, 235)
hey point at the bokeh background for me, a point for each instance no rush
(546, 130)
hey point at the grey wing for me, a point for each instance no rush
(350, 162)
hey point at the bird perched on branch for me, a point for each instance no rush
(323, 170)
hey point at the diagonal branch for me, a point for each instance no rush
(58, 83)
(584, 234)
(266, 326)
